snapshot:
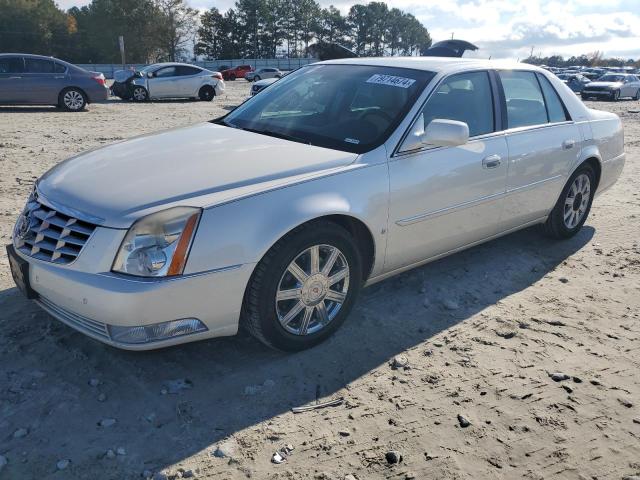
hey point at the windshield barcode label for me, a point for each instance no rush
(391, 80)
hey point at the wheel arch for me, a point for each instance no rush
(72, 87)
(591, 156)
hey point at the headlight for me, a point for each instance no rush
(158, 245)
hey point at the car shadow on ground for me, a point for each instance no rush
(235, 383)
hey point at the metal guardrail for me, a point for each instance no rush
(282, 63)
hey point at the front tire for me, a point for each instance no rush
(72, 100)
(139, 94)
(206, 93)
(256, 78)
(304, 287)
(573, 207)
(637, 97)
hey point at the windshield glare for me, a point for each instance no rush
(345, 107)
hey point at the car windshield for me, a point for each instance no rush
(611, 78)
(352, 108)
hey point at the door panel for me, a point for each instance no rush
(41, 81)
(444, 198)
(165, 83)
(11, 80)
(539, 161)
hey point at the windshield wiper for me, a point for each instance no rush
(271, 133)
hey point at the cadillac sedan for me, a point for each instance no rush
(274, 216)
(613, 86)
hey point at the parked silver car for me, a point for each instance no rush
(613, 86)
(169, 80)
(37, 80)
(275, 216)
(260, 85)
(263, 73)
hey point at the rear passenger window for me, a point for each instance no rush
(525, 104)
(38, 65)
(11, 65)
(59, 68)
(466, 98)
(555, 108)
(184, 70)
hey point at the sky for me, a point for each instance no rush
(511, 28)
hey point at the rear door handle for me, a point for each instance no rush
(492, 161)
(568, 144)
(13, 78)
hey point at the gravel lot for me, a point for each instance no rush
(481, 331)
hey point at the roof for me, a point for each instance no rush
(434, 64)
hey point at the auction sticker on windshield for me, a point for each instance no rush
(391, 80)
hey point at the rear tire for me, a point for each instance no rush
(232, 77)
(72, 99)
(207, 93)
(256, 78)
(573, 207)
(637, 97)
(313, 307)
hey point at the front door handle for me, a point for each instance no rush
(568, 144)
(492, 161)
(14, 78)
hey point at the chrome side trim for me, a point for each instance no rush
(461, 206)
(443, 211)
(534, 184)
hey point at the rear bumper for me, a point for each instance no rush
(611, 171)
(98, 94)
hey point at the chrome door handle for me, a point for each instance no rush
(568, 144)
(13, 78)
(492, 161)
(59, 76)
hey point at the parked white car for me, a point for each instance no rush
(275, 216)
(171, 80)
(263, 73)
(613, 86)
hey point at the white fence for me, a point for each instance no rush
(281, 63)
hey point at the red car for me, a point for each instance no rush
(236, 72)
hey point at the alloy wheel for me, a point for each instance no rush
(139, 94)
(73, 100)
(577, 201)
(312, 290)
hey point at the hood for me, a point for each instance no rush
(122, 76)
(201, 165)
(604, 84)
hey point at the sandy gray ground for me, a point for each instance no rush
(481, 331)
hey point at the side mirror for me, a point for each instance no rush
(446, 133)
(151, 74)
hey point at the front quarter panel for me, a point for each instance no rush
(242, 231)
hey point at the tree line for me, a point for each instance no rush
(593, 59)
(169, 30)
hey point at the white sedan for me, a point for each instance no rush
(275, 216)
(175, 80)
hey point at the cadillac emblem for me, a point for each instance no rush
(24, 222)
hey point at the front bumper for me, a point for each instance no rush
(93, 302)
(597, 93)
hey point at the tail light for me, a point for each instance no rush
(100, 79)
(217, 76)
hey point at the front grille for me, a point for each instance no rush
(49, 235)
(597, 89)
(84, 324)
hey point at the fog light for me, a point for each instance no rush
(156, 332)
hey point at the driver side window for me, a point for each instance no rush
(466, 97)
